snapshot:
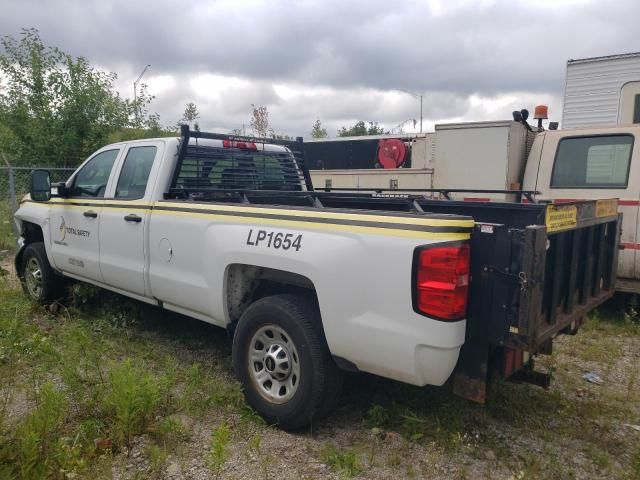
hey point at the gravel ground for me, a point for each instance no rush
(573, 430)
(384, 429)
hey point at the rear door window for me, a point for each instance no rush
(134, 175)
(592, 162)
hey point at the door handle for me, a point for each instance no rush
(133, 218)
(90, 214)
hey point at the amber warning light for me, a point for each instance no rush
(541, 112)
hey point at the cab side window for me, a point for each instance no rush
(135, 172)
(91, 180)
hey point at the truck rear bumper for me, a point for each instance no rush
(418, 351)
(434, 365)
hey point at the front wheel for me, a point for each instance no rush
(38, 279)
(282, 359)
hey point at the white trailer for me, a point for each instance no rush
(473, 156)
(602, 91)
(563, 165)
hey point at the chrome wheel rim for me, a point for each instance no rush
(274, 365)
(33, 277)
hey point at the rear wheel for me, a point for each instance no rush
(39, 281)
(282, 359)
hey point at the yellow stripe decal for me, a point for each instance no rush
(321, 226)
(143, 206)
(395, 219)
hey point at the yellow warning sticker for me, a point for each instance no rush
(561, 217)
(606, 208)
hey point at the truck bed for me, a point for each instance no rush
(537, 269)
(547, 274)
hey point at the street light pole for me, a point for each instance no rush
(420, 113)
(135, 93)
(419, 97)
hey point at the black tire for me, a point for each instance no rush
(50, 283)
(319, 377)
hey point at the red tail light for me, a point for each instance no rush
(239, 144)
(441, 282)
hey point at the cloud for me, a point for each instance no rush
(335, 60)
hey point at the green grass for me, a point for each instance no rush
(219, 448)
(7, 239)
(91, 379)
(555, 417)
(81, 386)
(345, 462)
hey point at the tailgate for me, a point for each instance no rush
(534, 274)
(553, 274)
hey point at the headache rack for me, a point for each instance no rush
(211, 170)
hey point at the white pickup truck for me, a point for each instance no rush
(228, 230)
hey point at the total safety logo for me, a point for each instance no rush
(64, 231)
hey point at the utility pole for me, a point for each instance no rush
(135, 93)
(420, 113)
(419, 97)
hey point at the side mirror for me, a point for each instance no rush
(40, 186)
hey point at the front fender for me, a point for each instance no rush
(17, 261)
(34, 215)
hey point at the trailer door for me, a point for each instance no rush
(629, 108)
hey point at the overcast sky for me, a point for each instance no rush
(339, 61)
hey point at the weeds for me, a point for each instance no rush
(635, 464)
(87, 381)
(253, 445)
(377, 417)
(37, 449)
(171, 430)
(218, 453)
(7, 239)
(118, 383)
(132, 398)
(344, 462)
(157, 459)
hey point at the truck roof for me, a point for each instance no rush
(404, 136)
(593, 130)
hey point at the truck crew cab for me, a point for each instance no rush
(229, 230)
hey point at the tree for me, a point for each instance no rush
(56, 109)
(359, 129)
(260, 121)
(318, 131)
(280, 136)
(190, 115)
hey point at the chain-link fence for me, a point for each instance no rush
(14, 184)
